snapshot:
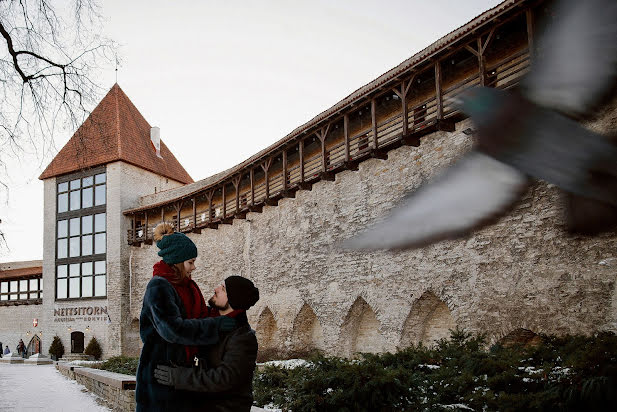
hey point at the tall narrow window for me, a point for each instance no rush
(81, 236)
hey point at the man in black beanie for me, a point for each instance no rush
(225, 371)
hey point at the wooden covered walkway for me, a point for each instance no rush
(398, 108)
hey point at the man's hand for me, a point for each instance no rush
(164, 375)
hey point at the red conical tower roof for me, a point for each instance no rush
(115, 131)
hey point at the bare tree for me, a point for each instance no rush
(50, 60)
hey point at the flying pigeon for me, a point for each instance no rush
(524, 134)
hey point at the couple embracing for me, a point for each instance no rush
(195, 357)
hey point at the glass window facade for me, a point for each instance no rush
(81, 237)
(21, 290)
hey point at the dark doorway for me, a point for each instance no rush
(77, 342)
(34, 346)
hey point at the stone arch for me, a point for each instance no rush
(428, 321)
(266, 330)
(521, 337)
(361, 331)
(307, 333)
(34, 346)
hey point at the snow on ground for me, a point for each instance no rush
(42, 388)
(286, 364)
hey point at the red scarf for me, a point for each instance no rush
(191, 297)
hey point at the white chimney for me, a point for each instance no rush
(155, 138)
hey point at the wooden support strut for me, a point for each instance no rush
(349, 163)
(147, 241)
(441, 124)
(236, 182)
(211, 224)
(266, 168)
(134, 237)
(321, 135)
(287, 192)
(253, 207)
(302, 185)
(178, 209)
(376, 151)
(195, 229)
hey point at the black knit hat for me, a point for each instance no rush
(241, 292)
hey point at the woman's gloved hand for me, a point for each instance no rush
(226, 324)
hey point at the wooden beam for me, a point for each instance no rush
(194, 200)
(346, 135)
(134, 228)
(195, 229)
(284, 169)
(321, 134)
(236, 183)
(374, 123)
(481, 62)
(252, 177)
(224, 201)
(301, 154)
(266, 167)
(210, 195)
(178, 209)
(438, 91)
(147, 241)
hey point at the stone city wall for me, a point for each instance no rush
(522, 272)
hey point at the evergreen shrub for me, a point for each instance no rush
(56, 349)
(94, 349)
(121, 364)
(568, 373)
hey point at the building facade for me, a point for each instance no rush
(279, 217)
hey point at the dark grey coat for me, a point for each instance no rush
(225, 374)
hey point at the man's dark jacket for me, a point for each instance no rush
(164, 332)
(226, 371)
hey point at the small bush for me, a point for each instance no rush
(121, 364)
(94, 349)
(56, 349)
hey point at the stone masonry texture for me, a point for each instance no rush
(524, 271)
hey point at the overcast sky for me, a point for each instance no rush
(225, 79)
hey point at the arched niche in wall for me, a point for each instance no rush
(428, 321)
(361, 330)
(34, 346)
(520, 337)
(266, 330)
(307, 334)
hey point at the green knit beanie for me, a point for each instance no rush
(176, 248)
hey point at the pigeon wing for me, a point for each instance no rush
(467, 196)
(575, 64)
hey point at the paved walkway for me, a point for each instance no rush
(42, 388)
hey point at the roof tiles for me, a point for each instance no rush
(115, 131)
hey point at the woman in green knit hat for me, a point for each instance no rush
(174, 320)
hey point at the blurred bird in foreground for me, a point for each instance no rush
(528, 133)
